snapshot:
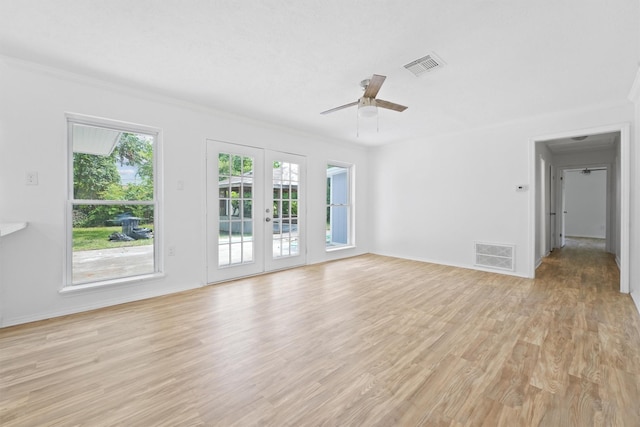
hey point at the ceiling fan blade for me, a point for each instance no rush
(374, 86)
(351, 104)
(390, 105)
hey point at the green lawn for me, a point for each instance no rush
(89, 238)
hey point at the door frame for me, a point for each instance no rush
(625, 194)
(262, 255)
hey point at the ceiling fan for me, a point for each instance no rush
(368, 104)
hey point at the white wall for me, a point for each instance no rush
(634, 282)
(438, 195)
(586, 203)
(33, 138)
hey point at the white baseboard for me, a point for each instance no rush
(466, 266)
(34, 317)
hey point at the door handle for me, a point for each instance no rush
(552, 213)
(268, 219)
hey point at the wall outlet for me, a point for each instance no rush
(172, 251)
(31, 178)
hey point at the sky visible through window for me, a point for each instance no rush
(128, 174)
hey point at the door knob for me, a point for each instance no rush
(268, 219)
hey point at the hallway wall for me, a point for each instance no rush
(586, 204)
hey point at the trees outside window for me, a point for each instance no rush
(113, 202)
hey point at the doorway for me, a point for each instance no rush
(572, 150)
(585, 210)
(255, 210)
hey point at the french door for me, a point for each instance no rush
(255, 210)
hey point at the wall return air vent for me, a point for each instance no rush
(495, 256)
(425, 64)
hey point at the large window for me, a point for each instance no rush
(339, 206)
(113, 203)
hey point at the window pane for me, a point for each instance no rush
(235, 244)
(224, 167)
(247, 164)
(236, 253)
(225, 191)
(247, 208)
(338, 232)
(247, 251)
(295, 172)
(236, 165)
(111, 242)
(246, 190)
(111, 165)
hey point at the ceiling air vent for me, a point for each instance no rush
(425, 64)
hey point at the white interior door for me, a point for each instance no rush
(255, 211)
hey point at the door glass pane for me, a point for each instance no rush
(285, 209)
(235, 198)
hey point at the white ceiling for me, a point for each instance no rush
(597, 142)
(284, 61)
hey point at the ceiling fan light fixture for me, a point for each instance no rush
(367, 107)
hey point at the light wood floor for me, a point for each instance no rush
(364, 341)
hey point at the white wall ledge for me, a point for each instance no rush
(11, 227)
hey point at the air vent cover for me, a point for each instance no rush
(425, 64)
(495, 256)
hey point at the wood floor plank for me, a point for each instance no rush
(368, 340)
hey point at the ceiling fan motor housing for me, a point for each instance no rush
(367, 107)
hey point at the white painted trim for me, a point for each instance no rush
(450, 264)
(92, 286)
(11, 227)
(635, 296)
(625, 193)
(157, 202)
(351, 184)
(48, 314)
(634, 93)
(535, 260)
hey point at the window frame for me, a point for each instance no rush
(350, 204)
(158, 260)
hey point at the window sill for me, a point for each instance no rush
(72, 289)
(11, 227)
(339, 248)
